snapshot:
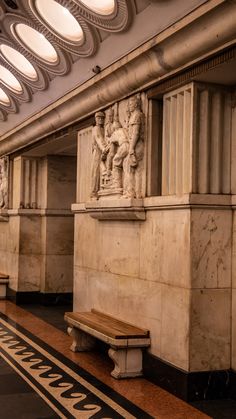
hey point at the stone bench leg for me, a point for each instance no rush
(81, 341)
(128, 362)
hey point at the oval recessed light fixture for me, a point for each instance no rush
(36, 42)
(102, 7)
(60, 20)
(4, 99)
(10, 80)
(19, 61)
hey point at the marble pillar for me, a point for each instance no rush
(172, 272)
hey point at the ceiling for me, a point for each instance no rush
(50, 47)
(41, 39)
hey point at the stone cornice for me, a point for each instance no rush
(207, 32)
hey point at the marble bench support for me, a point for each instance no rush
(128, 362)
(82, 342)
(126, 353)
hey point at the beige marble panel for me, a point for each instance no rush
(11, 267)
(139, 302)
(211, 248)
(81, 301)
(9, 250)
(175, 309)
(234, 251)
(210, 329)
(16, 187)
(120, 247)
(87, 241)
(30, 234)
(29, 272)
(4, 232)
(59, 235)
(94, 289)
(58, 274)
(13, 235)
(107, 246)
(165, 247)
(233, 348)
(61, 183)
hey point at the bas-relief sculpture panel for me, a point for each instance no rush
(4, 169)
(118, 151)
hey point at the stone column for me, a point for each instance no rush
(196, 161)
(59, 188)
(37, 242)
(23, 249)
(233, 188)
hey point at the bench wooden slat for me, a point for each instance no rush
(4, 276)
(108, 325)
(119, 325)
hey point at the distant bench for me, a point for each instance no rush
(4, 279)
(126, 341)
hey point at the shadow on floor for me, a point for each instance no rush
(54, 315)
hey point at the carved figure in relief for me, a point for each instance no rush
(118, 152)
(133, 161)
(115, 141)
(129, 142)
(109, 127)
(99, 153)
(4, 182)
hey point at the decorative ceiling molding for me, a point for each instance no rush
(60, 67)
(42, 78)
(117, 21)
(86, 47)
(14, 13)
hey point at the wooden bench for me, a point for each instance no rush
(126, 341)
(4, 279)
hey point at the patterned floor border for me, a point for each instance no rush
(70, 391)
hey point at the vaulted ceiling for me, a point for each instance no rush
(41, 39)
(50, 47)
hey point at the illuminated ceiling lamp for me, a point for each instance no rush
(36, 42)
(10, 81)
(4, 99)
(18, 61)
(59, 20)
(102, 7)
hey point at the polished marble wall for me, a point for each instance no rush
(170, 273)
(37, 232)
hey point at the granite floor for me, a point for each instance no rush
(41, 378)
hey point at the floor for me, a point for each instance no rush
(41, 378)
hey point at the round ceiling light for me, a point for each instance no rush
(36, 42)
(10, 80)
(102, 7)
(60, 20)
(19, 61)
(4, 99)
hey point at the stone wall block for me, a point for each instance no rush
(210, 329)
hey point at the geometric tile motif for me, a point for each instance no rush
(69, 393)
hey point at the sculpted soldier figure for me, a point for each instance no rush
(100, 151)
(129, 143)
